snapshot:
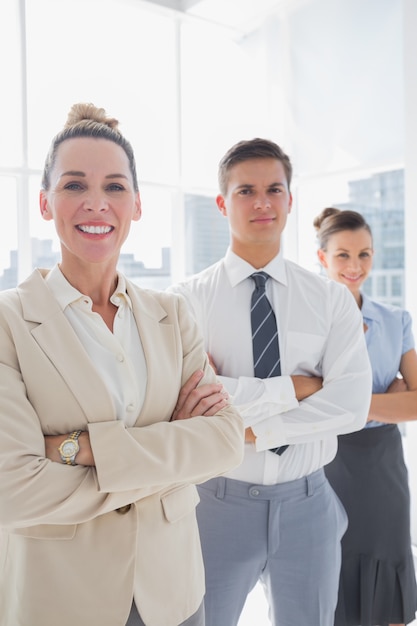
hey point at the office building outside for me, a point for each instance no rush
(206, 233)
(380, 199)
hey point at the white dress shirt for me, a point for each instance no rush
(118, 356)
(320, 332)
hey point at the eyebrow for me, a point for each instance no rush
(83, 175)
(347, 249)
(250, 186)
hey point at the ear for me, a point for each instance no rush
(137, 214)
(322, 257)
(290, 204)
(44, 205)
(221, 205)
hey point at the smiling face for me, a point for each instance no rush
(92, 201)
(257, 203)
(348, 258)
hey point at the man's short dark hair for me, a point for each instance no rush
(251, 149)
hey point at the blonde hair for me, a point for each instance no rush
(86, 120)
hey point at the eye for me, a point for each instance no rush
(73, 186)
(343, 255)
(115, 187)
(364, 255)
(245, 191)
(275, 190)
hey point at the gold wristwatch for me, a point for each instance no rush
(70, 447)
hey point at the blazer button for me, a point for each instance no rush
(124, 509)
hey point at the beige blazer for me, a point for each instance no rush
(68, 555)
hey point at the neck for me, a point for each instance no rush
(257, 255)
(92, 280)
(358, 298)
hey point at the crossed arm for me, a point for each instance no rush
(304, 386)
(206, 400)
(399, 402)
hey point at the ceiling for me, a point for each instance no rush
(241, 16)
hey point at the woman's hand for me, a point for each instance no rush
(207, 399)
(397, 385)
(83, 457)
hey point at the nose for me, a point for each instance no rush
(262, 201)
(96, 201)
(354, 263)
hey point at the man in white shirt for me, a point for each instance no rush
(275, 518)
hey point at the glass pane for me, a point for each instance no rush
(379, 197)
(381, 286)
(206, 232)
(146, 254)
(115, 54)
(8, 234)
(10, 80)
(44, 241)
(397, 286)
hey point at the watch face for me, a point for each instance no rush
(69, 448)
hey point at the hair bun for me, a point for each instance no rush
(87, 111)
(327, 212)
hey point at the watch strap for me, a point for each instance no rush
(72, 437)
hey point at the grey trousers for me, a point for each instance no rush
(287, 536)
(195, 620)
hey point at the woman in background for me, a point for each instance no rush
(377, 582)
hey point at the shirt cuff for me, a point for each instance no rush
(257, 399)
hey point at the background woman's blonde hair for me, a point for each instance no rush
(86, 120)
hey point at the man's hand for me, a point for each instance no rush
(249, 435)
(305, 386)
(207, 399)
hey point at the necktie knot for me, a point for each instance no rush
(260, 279)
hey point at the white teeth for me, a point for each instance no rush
(95, 230)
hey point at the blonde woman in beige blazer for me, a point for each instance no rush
(102, 527)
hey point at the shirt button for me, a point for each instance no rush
(120, 358)
(130, 408)
(254, 492)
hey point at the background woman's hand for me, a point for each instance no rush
(397, 385)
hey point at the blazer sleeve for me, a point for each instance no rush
(131, 463)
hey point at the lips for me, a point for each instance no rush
(352, 278)
(95, 230)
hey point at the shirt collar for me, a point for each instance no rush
(66, 294)
(238, 269)
(368, 309)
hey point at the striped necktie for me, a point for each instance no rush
(266, 358)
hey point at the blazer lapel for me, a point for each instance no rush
(162, 357)
(56, 337)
